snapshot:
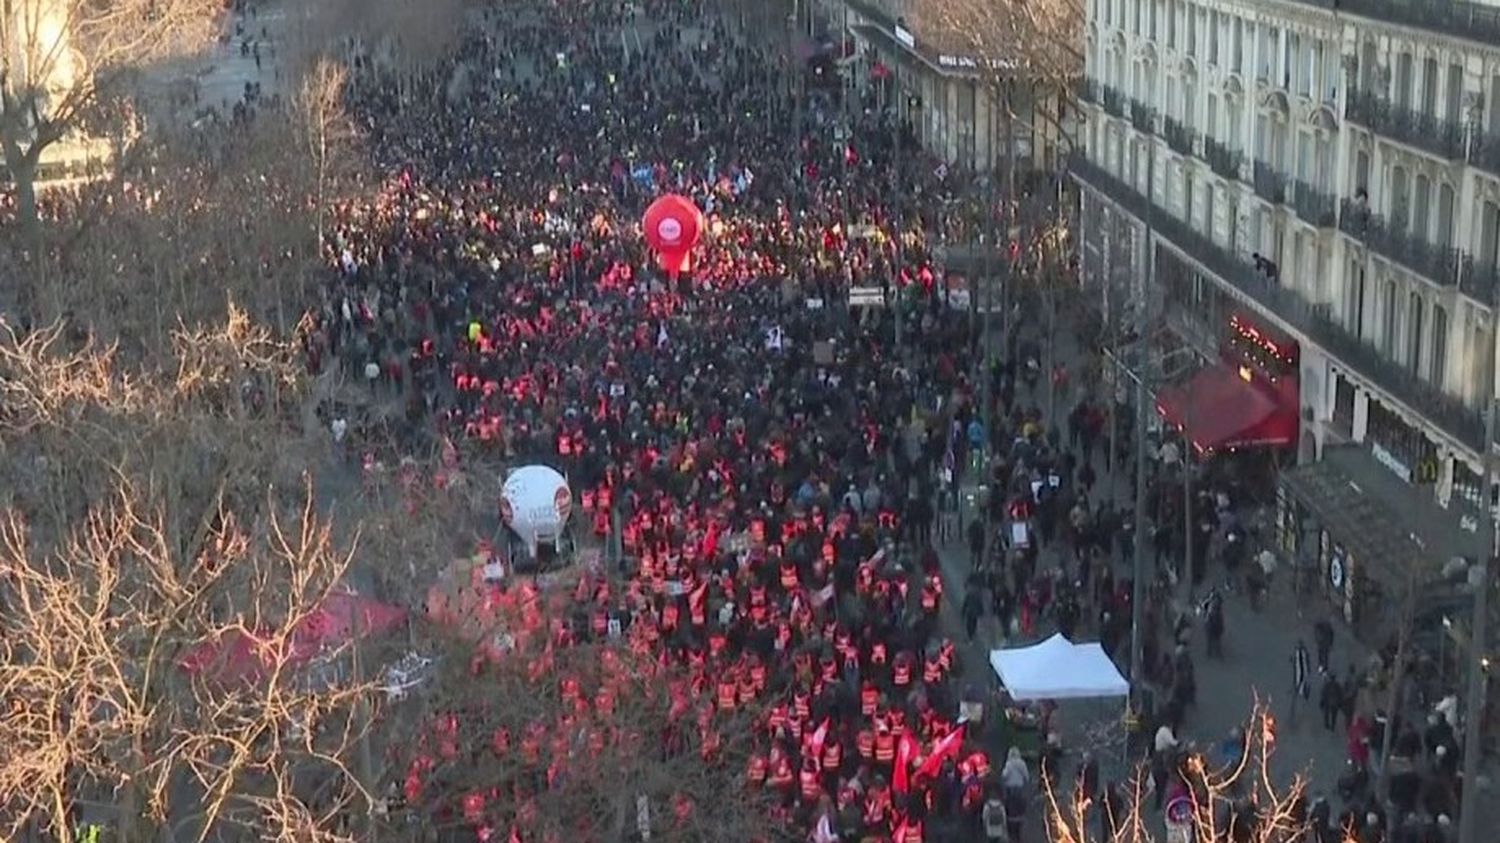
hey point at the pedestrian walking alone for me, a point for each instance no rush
(1323, 640)
(1301, 675)
(1330, 700)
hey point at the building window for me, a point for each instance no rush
(1414, 334)
(1388, 329)
(1466, 485)
(1355, 317)
(1214, 22)
(1238, 39)
(1400, 209)
(1429, 85)
(1407, 444)
(1489, 235)
(1452, 111)
(1208, 210)
(1402, 94)
(1437, 369)
(1422, 199)
(1445, 216)
(1343, 406)
(1494, 124)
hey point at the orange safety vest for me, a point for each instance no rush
(833, 756)
(711, 744)
(869, 698)
(901, 674)
(802, 706)
(781, 774)
(980, 764)
(913, 833)
(727, 694)
(811, 790)
(864, 744)
(756, 774)
(758, 675)
(932, 671)
(877, 803)
(789, 579)
(885, 747)
(929, 599)
(777, 717)
(747, 689)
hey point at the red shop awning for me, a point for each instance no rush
(1222, 407)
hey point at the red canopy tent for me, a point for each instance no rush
(1224, 407)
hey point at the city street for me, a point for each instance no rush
(1256, 662)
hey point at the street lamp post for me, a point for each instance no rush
(1468, 821)
(1142, 394)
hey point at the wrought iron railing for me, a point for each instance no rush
(1269, 184)
(1313, 205)
(1313, 320)
(1479, 281)
(1114, 101)
(1224, 161)
(1088, 90)
(1393, 241)
(1475, 21)
(1179, 137)
(1142, 117)
(1484, 149)
(1424, 131)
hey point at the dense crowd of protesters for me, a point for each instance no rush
(499, 287)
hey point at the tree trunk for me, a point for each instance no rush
(23, 173)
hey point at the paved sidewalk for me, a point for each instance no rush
(1256, 663)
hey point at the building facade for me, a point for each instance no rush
(958, 115)
(1332, 173)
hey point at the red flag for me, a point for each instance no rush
(905, 749)
(697, 596)
(818, 738)
(948, 747)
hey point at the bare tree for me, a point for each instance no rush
(1033, 48)
(60, 59)
(563, 740)
(1223, 799)
(319, 111)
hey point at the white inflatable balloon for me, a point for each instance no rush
(535, 502)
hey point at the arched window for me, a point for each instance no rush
(1414, 334)
(1437, 366)
(1421, 204)
(1388, 334)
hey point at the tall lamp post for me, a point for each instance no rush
(1468, 821)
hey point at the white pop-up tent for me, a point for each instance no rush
(1058, 669)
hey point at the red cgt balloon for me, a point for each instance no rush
(673, 225)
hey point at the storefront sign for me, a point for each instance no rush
(970, 63)
(1388, 459)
